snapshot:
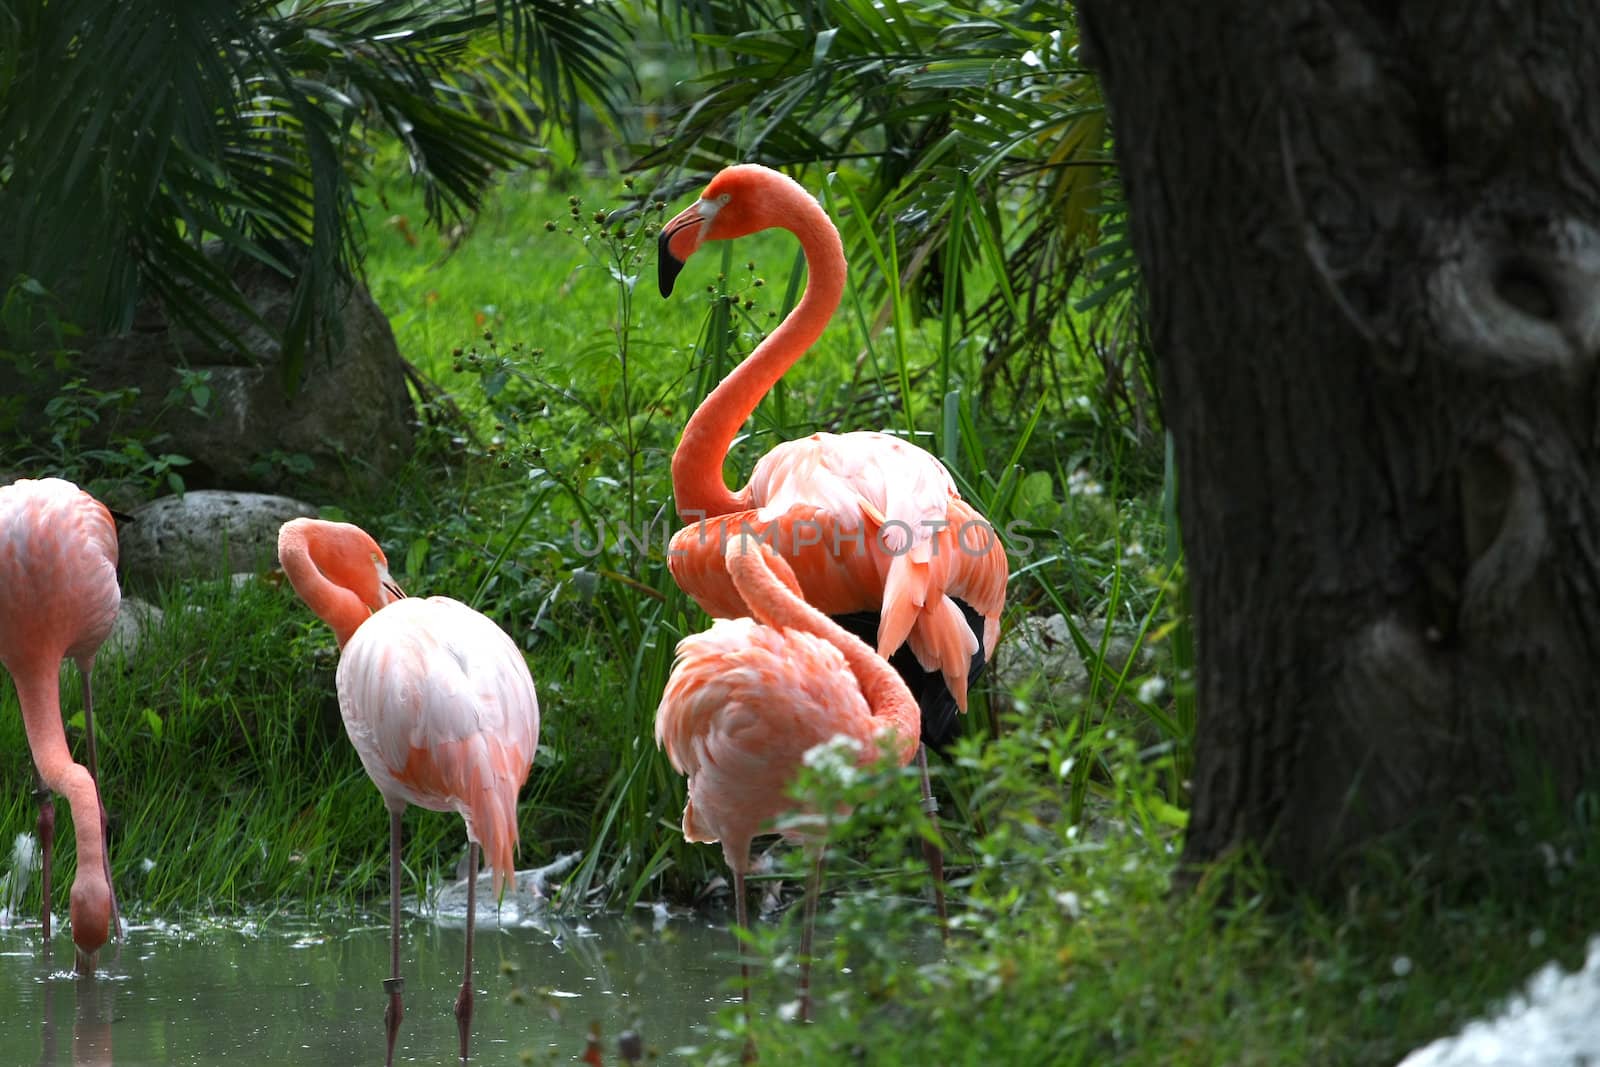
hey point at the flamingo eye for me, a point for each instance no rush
(724, 198)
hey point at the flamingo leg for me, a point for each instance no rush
(464, 999)
(395, 985)
(47, 837)
(94, 772)
(930, 849)
(813, 888)
(742, 917)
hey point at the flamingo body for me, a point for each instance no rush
(870, 523)
(940, 713)
(744, 705)
(440, 707)
(58, 566)
(59, 599)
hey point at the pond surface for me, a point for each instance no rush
(286, 990)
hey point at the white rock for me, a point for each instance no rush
(1555, 1023)
(526, 901)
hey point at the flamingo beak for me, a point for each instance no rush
(679, 239)
(391, 588)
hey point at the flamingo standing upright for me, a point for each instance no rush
(439, 704)
(59, 599)
(872, 525)
(748, 698)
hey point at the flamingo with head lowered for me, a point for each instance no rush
(58, 600)
(748, 698)
(439, 704)
(872, 526)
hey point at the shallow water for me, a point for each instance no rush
(285, 990)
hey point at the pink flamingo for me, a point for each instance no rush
(872, 525)
(439, 704)
(746, 701)
(59, 599)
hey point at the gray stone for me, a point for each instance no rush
(135, 618)
(204, 534)
(347, 428)
(1039, 658)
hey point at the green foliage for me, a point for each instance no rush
(1071, 946)
(129, 462)
(141, 131)
(974, 128)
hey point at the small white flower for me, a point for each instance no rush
(837, 760)
(1070, 904)
(1401, 966)
(1151, 689)
(1081, 483)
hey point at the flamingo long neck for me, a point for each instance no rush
(775, 602)
(333, 604)
(697, 483)
(39, 694)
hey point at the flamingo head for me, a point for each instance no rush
(740, 200)
(348, 557)
(90, 912)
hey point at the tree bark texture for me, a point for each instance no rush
(1370, 235)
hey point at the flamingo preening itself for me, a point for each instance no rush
(747, 700)
(872, 525)
(58, 600)
(438, 702)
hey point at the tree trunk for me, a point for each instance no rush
(1371, 241)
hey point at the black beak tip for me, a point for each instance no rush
(667, 266)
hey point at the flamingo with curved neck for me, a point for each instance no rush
(58, 600)
(439, 705)
(747, 700)
(872, 526)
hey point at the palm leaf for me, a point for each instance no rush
(133, 134)
(953, 102)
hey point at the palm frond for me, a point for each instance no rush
(987, 140)
(133, 134)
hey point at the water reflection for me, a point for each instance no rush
(287, 990)
(87, 1038)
